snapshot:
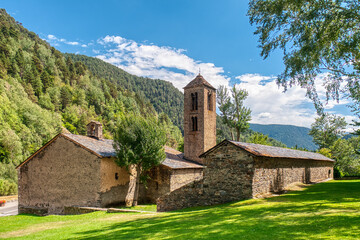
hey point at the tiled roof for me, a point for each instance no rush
(178, 162)
(198, 81)
(104, 148)
(274, 152)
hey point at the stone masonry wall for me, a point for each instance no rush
(232, 174)
(197, 142)
(227, 177)
(62, 174)
(181, 177)
(274, 174)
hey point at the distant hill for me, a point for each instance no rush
(161, 94)
(288, 134)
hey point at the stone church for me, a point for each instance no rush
(75, 170)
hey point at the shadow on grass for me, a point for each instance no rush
(326, 210)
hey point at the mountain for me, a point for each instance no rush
(288, 134)
(161, 94)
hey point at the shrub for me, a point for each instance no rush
(7, 187)
(338, 173)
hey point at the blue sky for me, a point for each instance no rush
(171, 40)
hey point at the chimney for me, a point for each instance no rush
(94, 130)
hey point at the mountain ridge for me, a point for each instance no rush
(290, 135)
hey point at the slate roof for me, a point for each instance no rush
(199, 81)
(274, 152)
(104, 148)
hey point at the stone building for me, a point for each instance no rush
(234, 171)
(74, 170)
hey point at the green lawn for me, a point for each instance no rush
(328, 210)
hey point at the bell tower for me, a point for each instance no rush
(199, 118)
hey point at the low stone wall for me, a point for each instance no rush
(33, 210)
(274, 174)
(81, 210)
(189, 195)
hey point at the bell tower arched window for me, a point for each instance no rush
(194, 101)
(194, 124)
(210, 101)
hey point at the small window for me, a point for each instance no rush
(210, 102)
(116, 176)
(194, 101)
(194, 123)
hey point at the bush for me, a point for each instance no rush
(7, 187)
(338, 173)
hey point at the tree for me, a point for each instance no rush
(346, 156)
(260, 138)
(315, 37)
(139, 145)
(326, 129)
(242, 114)
(233, 112)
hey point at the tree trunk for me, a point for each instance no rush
(138, 173)
(232, 134)
(237, 135)
(129, 198)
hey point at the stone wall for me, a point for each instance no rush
(274, 174)
(62, 174)
(232, 174)
(115, 190)
(181, 177)
(227, 177)
(158, 184)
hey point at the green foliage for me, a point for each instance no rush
(345, 152)
(326, 129)
(259, 138)
(315, 37)
(233, 112)
(7, 187)
(161, 94)
(139, 141)
(139, 145)
(326, 152)
(337, 173)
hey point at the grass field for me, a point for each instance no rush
(328, 210)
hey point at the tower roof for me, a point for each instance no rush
(199, 81)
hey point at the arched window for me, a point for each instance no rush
(210, 102)
(194, 123)
(194, 101)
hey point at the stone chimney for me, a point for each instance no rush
(94, 130)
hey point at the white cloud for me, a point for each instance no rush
(51, 37)
(270, 105)
(72, 43)
(161, 62)
(56, 41)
